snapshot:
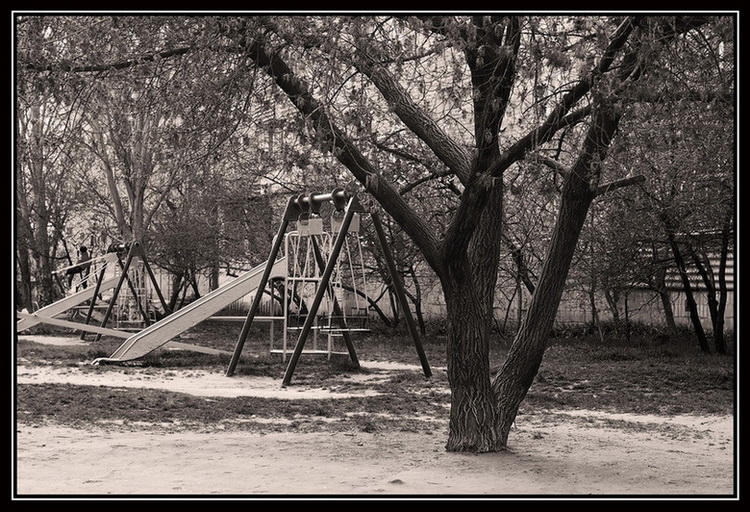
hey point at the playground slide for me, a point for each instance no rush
(62, 305)
(161, 332)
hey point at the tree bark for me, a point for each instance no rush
(704, 269)
(525, 356)
(469, 288)
(41, 217)
(613, 301)
(23, 242)
(720, 342)
(473, 411)
(718, 286)
(522, 270)
(666, 302)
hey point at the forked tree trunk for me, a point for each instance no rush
(666, 302)
(687, 287)
(719, 340)
(469, 288)
(704, 271)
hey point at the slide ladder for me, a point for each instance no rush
(161, 332)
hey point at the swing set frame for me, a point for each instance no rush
(307, 207)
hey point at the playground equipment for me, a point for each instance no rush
(134, 271)
(311, 268)
(48, 313)
(131, 305)
(161, 332)
(319, 278)
(306, 251)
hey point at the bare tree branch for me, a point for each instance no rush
(614, 185)
(344, 150)
(423, 126)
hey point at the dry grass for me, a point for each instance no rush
(645, 376)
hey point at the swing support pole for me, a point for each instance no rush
(401, 294)
(261, 286)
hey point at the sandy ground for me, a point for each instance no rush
(572, 456)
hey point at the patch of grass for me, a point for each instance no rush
(675, 379)
(576, 373)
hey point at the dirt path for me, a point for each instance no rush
(571, 454)
(544, 460)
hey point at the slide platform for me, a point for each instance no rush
(161, 332)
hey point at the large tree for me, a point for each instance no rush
(418, 108)
(466, 253)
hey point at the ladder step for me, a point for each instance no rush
(309, 351)
(348, 329)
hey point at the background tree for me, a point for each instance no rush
(150, 124)
(47, 154)
(687, 156)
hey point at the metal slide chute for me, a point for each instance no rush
(161, 332)
(45, 314)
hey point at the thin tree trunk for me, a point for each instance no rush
(42, 244)
(720, 343)
(666, 301)
(523, 273)
(690, 300)
(23, 242)
(417, 300)
(177, 284)
(525, 355)
(704, 269)
(214, 276)
(595, 315)
(613, 298)
(627, 319)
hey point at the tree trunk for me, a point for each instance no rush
(473, 409)
(666, 302)
(613, 301)
(690, 300)
(469, 287)
(719, 340)
(704, 269)
(100, 145)
(214, 276)
(23, 242)
(522, 270)
(525, 355)
(177, 285)
(42, 244)
(627, 319)
(417, 300)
